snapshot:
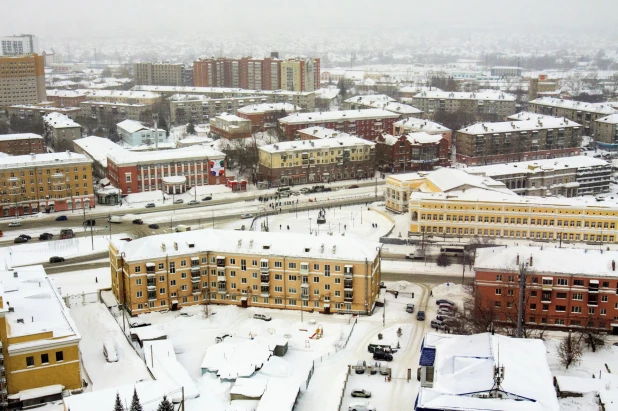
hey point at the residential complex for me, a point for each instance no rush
(18, 45)
(67, 98)
(484, 372)
(411, 152)
(384, 102)
(300, 74)
(60, 131)
(247, 269)
(566, 176)
(116, 111)
(585, 114)
(564, 288)
(73, 98)
(33, 111)
(22, 80)
(19, 144)
(230, 126)
(40, 342)
(414, 125)
(133, 133)
(540, 137)
(407, 92)
(479, 104)
(324, 160)
(318, 132)
(158, 74)
(171, 171)
(45, 182)
(606, 132)
(264, 116)
(368, 124)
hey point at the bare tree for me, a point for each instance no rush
(570, 350)
(592, 336)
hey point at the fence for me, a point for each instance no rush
(345, 385)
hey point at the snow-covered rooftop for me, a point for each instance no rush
(422, 125)
(41, 160)
(536, 166)
(449, 179)
(527, 115)
(549, 260)
(111, 103)
(144, 157)
(370, 99)
(322, 132)
(254, 242)
(464, 370)
(132, 126)
(414, 138)
(417, 89)
(611, 119)
(217, 90)
(119, 93)
(306, 145)
(318, 117)
(67, 93)
(20, 136)
(97, 147)
(45, 108)
(59, 120)
(268, 107)
(36, 308)
(464, 95)
(522, 125)
(162, 362)
(230, 117)
(600, 108)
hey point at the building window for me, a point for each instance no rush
(499, 277)
(59, 356)
(29, 361)
(576, 310)
(561, 308)
(498, 291)
(563, 281)
(44, 358)
(138, 294)
(578, 297)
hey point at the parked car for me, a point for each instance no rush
(374, 368)
(153, 226)
(444, 312)
(304, 190)
(138, 221)
(46, 236)
(109, 351)
(437, 324)
(150, 205)
(66, 233)
(15, 224)
(353, 186)
(1, 234)
(19, 240)
(361, 393)
(443, 301)
(248, 215)
(361, 366)
(410, 308)
(193, 202)
(56, 260)
(221, 337)
(382, 356)
(90, 222)
(26, 236)
(207, 198)
(263, 317)
(445, 307)
(361, 406)
(62, 218)
(179, 201)
(420, 315)
(443, 317)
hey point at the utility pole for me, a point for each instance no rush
(522, 290)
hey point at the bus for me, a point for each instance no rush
(452, 250)
(283, 189)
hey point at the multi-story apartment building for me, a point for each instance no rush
(60, 131)
(541, 137)
(133, 133)
(566, 176)
(383, 102)
(230, 126)
(415, 125)
(453, 203)
(18, 45)
(31, 111)
(324, 160)
(22, 80)
(158, 74)
(318, 132)
(247, 269)
(67, 98)
(171, 171)
(244, 73)
(306, 100)
(480, 103)
(585, 114)
(300, 74)
(119, 111)
(411, 152)
(368, 123)
(19, 144)
(45, 183)
(506, 71)
(407, 92)
(122, 96)
(264, 116)
(564, 287)
(606, 135)
(40, 342)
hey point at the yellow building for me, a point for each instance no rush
(45, 182)
(246, 268)
(453, 203)
(299, 74)
(40, 342)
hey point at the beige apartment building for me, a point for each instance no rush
(300, 74)
(22, 80)
(120, 111)
(247, 269)
(121, 96)
(158, 74)
(480, 104)
(606, 137)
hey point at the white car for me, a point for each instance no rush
(361, 406)
(248, 215)
(15, 224)
(361, 393)
(193, 202)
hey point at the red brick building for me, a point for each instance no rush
(21, 144)
(264, 116)
(171, 171)
(66, 98)
(565, 287)
(411, 152)
(367, 124)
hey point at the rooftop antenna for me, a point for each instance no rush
(498, 375)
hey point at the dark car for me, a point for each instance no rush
(353, 186)
(443, 301)
(90, 223)
(420, 315)
(62, 218)
(56, 260)
(381, 355)
(26, 236)
(19, 240)
(207, 198)
(153, 226)
(138, 221)
(46, 236)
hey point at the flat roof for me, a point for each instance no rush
(20, 136)
(59, 120)
(41, 160)
(466, 95)
(268, 107)
(611, 119)
(223, 90)
(317, 117)
(422, 125)
(307, 145)
(601, 108)
(522, 125)
(535, 166)
(97, 147)
(322, 132)
(123, 157)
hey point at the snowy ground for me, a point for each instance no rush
(74, 283)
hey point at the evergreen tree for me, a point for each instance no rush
(118, 405)
(190, 128)
(165, 405)
(135, 405)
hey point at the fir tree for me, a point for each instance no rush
(135, 405)
(118, 405)
(165, 405)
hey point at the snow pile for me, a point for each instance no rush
(162, 363)
(249, 387)
(280, 395)
(235, 358)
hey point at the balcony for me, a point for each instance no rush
(195, 270)
(220, 261)
(546, 297)
(593, 300)
(593, 287)
(196, 290)
(195, 278)
(304, 268)
(152, 296)
(265, 291)
(348, 297)
(221, 276)
(151, 285)
(264, 266)
(348, 271)
(150, 268)
(304, 297)
(221, 290)
(347, 284)
(547, 286)
(265, 279)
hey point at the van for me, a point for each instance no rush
(361, 366)
(116, 219)
(182, 228)
(410, 308)
(379, 347)
(262, 317)
(109, 351)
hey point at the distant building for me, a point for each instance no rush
(411, 152)
(122, 96)
(31, 112)
(479, 104)
(606, 132)
(20, 144)
(319, 132)
(60, 131)
(19, 45)
(265, 116)
(22, 80)
(159, 74)
(67, 98)
(384, 102)
(230, 126)
(506, 71)
(115, 111)
(407, 92)
(96, 148)
(368, 123)
(324, 160)
(134, 133)
(415, 125)
(300, 74)
(542, 87)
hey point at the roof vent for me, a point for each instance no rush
(191, 245)
(334, 248)
(11, 309)
(175, 246)
(239, 242)
(250, 243)
(266, 247)
(162, 246)
(307, 249)
(20, 321)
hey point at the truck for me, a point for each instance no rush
(116, 219)
(180, 228)
(66, 233)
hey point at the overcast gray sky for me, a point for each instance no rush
(96, 18)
